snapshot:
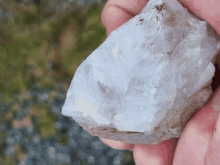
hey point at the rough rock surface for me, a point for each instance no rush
(148, 78)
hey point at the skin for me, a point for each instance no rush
(199, 143)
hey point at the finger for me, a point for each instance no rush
(161, 154)
(117, 145)
(208, 10)
(213, 155)
(117, 12)
(195, 140)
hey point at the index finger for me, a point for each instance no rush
(117, 12)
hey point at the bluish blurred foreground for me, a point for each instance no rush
(42, 42)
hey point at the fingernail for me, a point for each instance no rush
(216, 105)
(218, 46)
(216, 101)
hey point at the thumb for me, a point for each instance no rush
(117, 12)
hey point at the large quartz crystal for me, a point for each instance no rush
(150, 76)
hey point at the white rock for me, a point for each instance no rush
(148, 78)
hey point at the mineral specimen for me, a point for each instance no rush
(150, 76)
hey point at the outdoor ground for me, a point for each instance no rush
(38, 60)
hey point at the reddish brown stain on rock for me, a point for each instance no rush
(159, 7)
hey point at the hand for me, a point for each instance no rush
(199, 143)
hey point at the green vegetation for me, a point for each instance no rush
(26, 47)
(39, 50)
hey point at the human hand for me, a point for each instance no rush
(199, 143)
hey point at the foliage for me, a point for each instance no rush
(26, 48)
(30, 17)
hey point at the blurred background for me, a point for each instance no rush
(42, 42)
